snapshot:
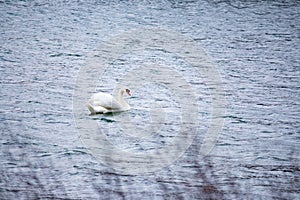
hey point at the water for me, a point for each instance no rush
(255, 46)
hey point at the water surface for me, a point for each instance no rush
(255, 46)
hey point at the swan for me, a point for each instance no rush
(106, 103)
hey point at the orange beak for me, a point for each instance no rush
(128, 92)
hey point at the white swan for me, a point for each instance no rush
(106, 103)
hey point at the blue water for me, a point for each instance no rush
(255, 47)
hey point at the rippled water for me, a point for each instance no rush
(255, 46)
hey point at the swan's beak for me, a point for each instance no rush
(128, 92)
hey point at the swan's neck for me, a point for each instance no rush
(121, 100)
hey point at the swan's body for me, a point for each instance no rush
(106, 103)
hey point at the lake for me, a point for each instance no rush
(214, 112)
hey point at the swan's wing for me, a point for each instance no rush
(105, 100)
(96, 109)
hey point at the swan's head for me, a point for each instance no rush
(125, 90)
